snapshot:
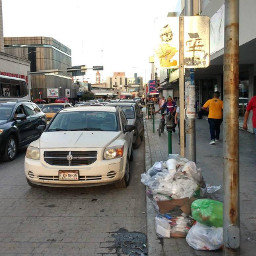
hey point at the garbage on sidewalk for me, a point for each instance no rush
(208, 212)
(202, 237)
(176, 187)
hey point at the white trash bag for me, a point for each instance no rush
(202, 237)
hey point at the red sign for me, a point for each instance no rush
(14, 75)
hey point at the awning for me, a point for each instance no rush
(12, 78)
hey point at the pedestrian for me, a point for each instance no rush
(215, 108)
(251, 106)
(170, 107)
(161, 101)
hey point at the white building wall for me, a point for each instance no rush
(1, 29)
(247, 17)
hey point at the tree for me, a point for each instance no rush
(87, 96)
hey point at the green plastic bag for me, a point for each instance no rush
(208, 212)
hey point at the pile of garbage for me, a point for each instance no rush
(177, 190)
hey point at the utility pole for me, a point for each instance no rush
(191, 120)
(231, 218)
(181, 85)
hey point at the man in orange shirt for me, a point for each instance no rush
(215, 107)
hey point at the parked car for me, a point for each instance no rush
(82, 146)
(134, 116)
(18, 126)
(62, 100)
(82, 103)
(51, 109)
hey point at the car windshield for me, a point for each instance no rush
(52, 108)
(5, 112)
(84, 121)
(129, 112)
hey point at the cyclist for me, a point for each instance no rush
(170, 107)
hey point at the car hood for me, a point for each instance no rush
(131, 121)
(3, 122)
(77, 139)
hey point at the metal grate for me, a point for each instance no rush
(70, 158)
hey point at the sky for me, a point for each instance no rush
(119, 35)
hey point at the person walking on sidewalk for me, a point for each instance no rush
(215, 108)
(161, 102)
(251, 106)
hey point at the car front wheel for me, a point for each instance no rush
(10, 151)
(124, 182)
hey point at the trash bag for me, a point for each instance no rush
(202, 237)
(208, 212)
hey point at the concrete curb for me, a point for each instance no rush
(155, 247)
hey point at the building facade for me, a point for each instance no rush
(210, 79)
(13, 72)
(49, 60)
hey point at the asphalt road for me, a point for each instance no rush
(71, 221)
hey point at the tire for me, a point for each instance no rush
(11, 148)
(162, 128)
(31, 184)
(159, 130)
(131, 155)
(124, 182)
(137, 142)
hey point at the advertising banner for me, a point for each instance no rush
(52, 92)
(152, 87)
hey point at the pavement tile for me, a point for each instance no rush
(210, 160)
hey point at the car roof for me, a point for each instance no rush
(130, 104)
(61, 103)
(91, 108)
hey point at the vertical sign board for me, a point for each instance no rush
(168, 50)
(196, 41)
(152, 87)
(196, 54)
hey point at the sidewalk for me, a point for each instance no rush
(210, 160)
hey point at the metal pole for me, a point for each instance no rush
(181, 85)
(231, 218)
(169, 142)
(191, 96)
(153, 117)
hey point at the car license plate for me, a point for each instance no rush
(68, 175)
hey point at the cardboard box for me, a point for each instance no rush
(183, 204)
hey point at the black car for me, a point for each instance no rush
(134, 116)
(18, 126)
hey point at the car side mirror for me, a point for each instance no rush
(20, 117)
(41, 127)
(129, 128)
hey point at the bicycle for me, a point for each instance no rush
(161, 124)
(170, 123)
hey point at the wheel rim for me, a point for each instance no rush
(11, 149)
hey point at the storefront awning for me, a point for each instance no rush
(13, 78)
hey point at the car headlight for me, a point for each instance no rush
(113, 152)
(1, 131)
(33, 153)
